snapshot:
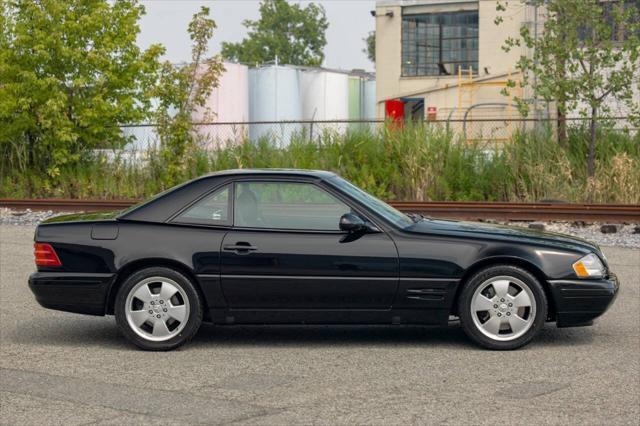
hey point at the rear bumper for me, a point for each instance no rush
(579, 302)
(72, 292)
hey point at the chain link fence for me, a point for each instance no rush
(281, 133)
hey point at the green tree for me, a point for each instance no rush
(70, 71)
(293, 34)
(370, 46)
(586, 55)
(180, 91)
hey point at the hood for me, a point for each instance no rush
(485, 230)
(82, 217)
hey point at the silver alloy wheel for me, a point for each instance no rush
(503, 308)
(157, 308)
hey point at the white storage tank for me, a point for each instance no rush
(274, 95)
(369, 102)
(369, 112)
(228, 105)
(325, 96)
(144, 136)
(356, 97)
(140, 137)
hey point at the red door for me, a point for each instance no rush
(394, 111)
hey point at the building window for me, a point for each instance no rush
(619, 30)
(439, 43)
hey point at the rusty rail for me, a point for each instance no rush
(525, 211)
(454, 210)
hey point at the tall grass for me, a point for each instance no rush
(414, 163)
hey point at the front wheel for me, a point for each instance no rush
(502, 307)
(158, 309)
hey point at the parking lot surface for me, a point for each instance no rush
(59, 368)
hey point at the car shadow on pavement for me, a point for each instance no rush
(69, 331)
(82, 332)
(368, 335)
(551, 336)
(330, 335)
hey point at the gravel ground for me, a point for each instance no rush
(61, 368)
(25, 217)
(625, 237)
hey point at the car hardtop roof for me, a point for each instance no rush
(162, 206)
(283, 172)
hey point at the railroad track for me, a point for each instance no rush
(615, 213)
(525, 211)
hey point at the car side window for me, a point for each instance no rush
(286, 205)
(213, 209)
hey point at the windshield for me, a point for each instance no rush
(380, 207)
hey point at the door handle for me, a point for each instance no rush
(240, 247)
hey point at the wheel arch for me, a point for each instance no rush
(512, 261)
(140, 264)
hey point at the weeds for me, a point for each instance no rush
(414, 163)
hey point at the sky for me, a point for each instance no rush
(166, 22)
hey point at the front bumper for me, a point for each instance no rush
(72, 292)
(579, 302)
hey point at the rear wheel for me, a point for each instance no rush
(502, 307)
(158, 309)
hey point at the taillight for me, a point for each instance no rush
(45, 255)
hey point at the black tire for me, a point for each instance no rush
(194, 317)
(481, 277)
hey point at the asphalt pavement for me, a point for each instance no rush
(60, 368)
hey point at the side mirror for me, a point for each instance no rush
(352, 223)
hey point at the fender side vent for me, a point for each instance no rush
(425, 294)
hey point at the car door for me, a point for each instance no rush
(285, 251)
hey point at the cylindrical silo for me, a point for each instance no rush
(369, 102)
(355, 97)
(369, 112)
(142, 137)
(274, 95)
(356, 100)
(228, 104)
(324, 97)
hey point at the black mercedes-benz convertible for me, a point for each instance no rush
(300, 246)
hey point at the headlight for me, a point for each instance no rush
(589, 266)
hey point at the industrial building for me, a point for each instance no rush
(442, 59)
(435, 60)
